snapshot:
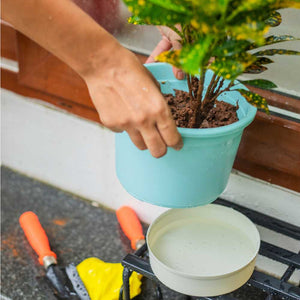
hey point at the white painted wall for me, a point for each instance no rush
(66, 151)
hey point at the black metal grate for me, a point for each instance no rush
(274, 287)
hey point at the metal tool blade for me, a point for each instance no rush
(60, 283)
(76, 281)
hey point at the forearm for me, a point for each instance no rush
(63, 29)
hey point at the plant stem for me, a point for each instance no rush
(201, 86)
(219, 88)
(197, 102)
(222, 91)
(208, 91)
(190, 86)
(213, 87)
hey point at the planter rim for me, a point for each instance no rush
(199, 276)
(218, 131)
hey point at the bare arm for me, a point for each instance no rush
(124, 94)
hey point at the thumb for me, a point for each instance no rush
(179, 74)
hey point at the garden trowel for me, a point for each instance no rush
(65, 282)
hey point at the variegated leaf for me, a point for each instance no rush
(159, 13)
(285, 3)
(136, 20)
(230, 47)
(253, 31)
(171, 57)
(233, 66)
(274, 39)
(263, 61)
(178, 6)
(256, 100)
(255, 69)
(204, 27)
(248, 6)
(192, 56)
(274, 20)
(211, 7)
(260, 83)
(270, 52)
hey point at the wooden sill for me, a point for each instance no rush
(8, 42)
(270, 147)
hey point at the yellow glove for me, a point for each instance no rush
(104, 280)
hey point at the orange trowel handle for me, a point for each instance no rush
(130, 224)
(36, 235)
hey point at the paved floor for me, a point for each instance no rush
(76, 230)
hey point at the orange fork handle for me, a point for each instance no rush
(130, 225)
(36, 235)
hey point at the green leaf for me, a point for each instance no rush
(158, 12)
(248, 6)
(136, 20)
(230, 47)
(270, 52)
(173, 5)
(255, 69)
(210, 7)
(273, 39)
(255, 99)
(171, 57)
(263, 61)
(233, 66)
(252, 31)
(285, 4)
(274, 20)
(192, 56)
(260, 83)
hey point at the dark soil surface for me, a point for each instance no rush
(220, 114)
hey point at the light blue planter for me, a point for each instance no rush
(193, 176)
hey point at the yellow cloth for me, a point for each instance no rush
(104, 280)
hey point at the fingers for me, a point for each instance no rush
(179, 74)
(154, 141)
(163, 134)
(169, 133)
(162, 46)
(137, 138)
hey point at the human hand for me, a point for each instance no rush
(127, 97)
(170, 39)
